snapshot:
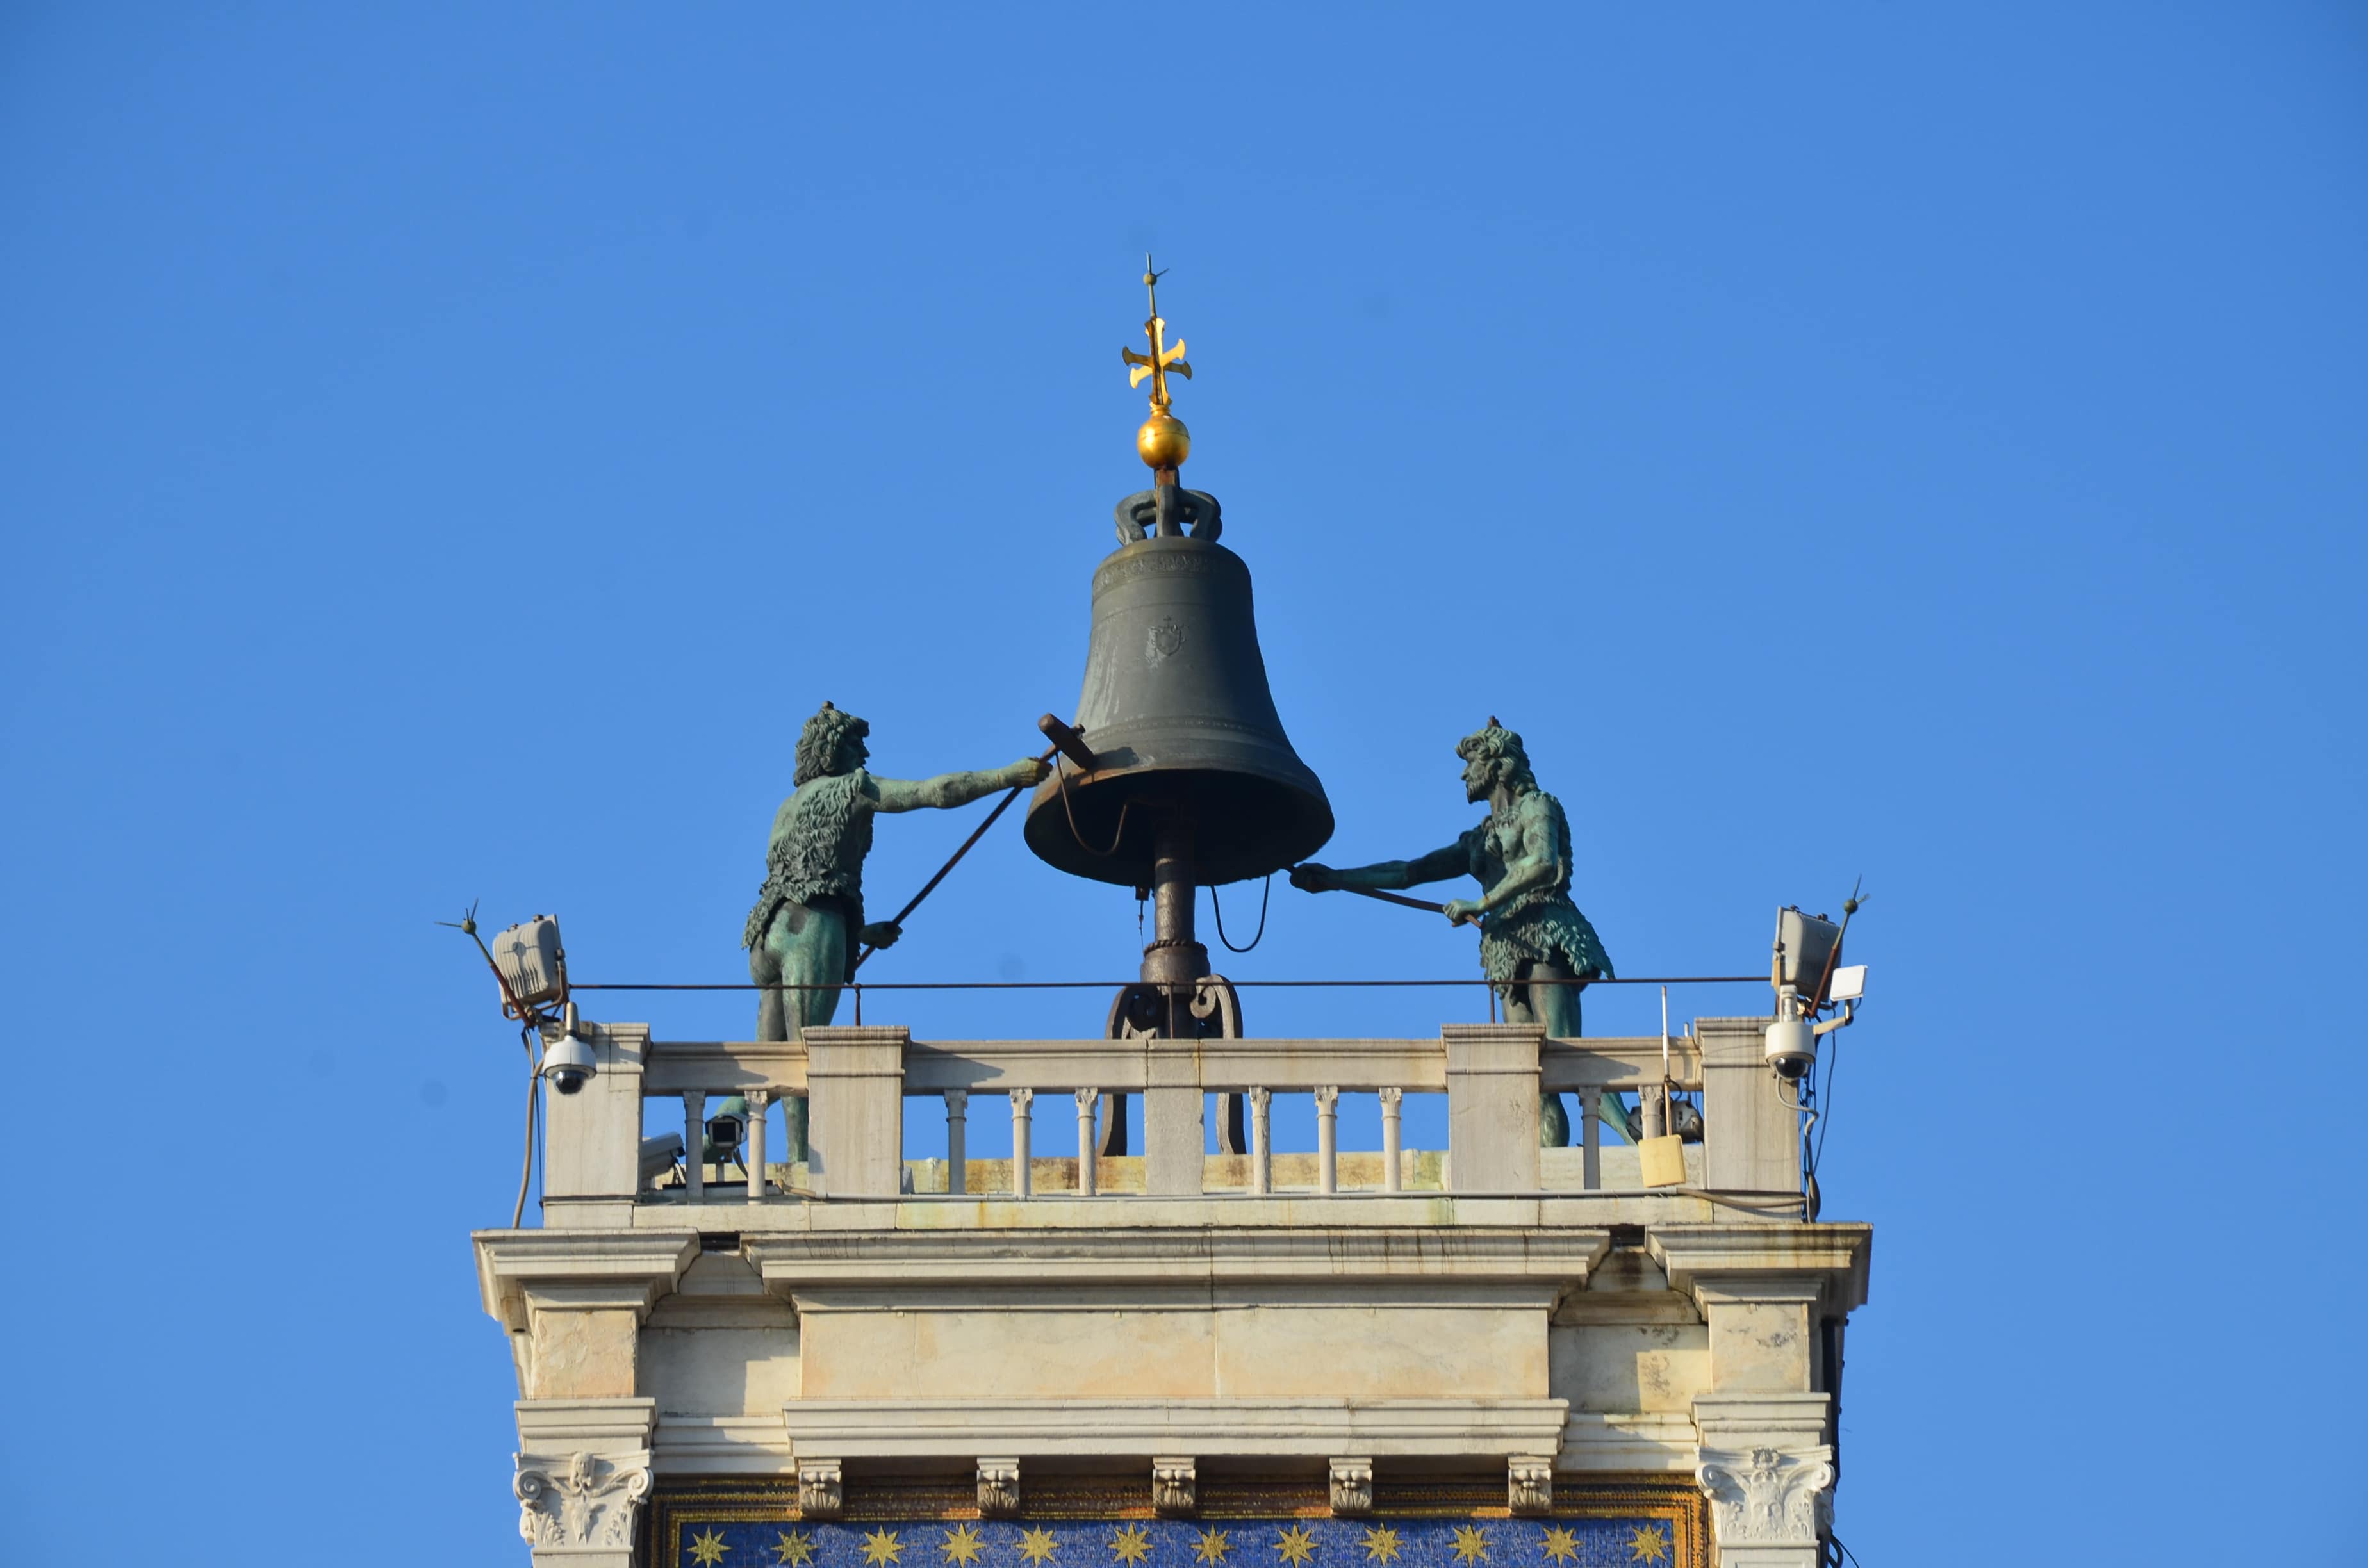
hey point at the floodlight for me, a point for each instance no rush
(532, 965)
(1805, 950)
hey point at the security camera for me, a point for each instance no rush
(1791, 1039)
(726, 1130)
(568, 1060)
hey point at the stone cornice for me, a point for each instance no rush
(1558, 1258)
(959, 1428)
(582, 1269)
(561, 1425)
(1827, 1264)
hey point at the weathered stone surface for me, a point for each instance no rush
(1615, 1369)
(586, 1355)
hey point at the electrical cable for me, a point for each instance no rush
(1825, 1094)
(1136, 980)
(1219, 910)
(1070, 811)
(533, 1108)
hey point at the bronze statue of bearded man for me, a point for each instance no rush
(1531, 934)
(807, 928)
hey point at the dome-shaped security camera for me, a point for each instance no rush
(568, 1060)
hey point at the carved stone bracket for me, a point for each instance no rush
(581, 1502)
(1768, 1496)
(821, 1492)
(998, 1488)
(1352, 1487)
(1174, 1487)
(1529, 1483)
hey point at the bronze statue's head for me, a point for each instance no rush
(832, 742)
(1492, 755)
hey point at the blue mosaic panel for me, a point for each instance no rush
(1640, 1541)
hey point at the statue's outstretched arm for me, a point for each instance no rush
(952, 788)
(1454, 861)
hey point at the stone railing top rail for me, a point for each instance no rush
(997, 1067)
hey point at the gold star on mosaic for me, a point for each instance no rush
(1471, 1546)
(1211, 1548)
(1649, 1543)
(1036, 1545)
(881, 1548)
(1296, 1544)
(707, 1548)
(1131, 1544)
(1381, 1544)
(962, 1544)
(1561, 1544)
(794, 1549)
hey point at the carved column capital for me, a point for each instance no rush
(998, 1488)
(821, 1494)
(1174, 1489)
(1352, 1487)
(580, 1501)
(1766, 1496)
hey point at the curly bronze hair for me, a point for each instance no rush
(1496, 742)
(825, 741)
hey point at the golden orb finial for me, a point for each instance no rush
(1163, 443)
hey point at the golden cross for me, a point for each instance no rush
(1162, 358)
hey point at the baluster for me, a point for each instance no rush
(1391, 1107)
(1590, 1137)
(694, 1143)
(1087, 1100)
(759, 1111)
(1328, 1139)
(1022, 1178)
(1261, 1141)
(957, 1141)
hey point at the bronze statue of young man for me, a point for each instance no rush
(808, 927)
(1530, 930)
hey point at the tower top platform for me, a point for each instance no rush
(1402, 1338)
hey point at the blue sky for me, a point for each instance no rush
(447, 452)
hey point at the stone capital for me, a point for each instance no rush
(1766, 1496)
(579, 1506)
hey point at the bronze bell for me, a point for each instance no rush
(1187, 749)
